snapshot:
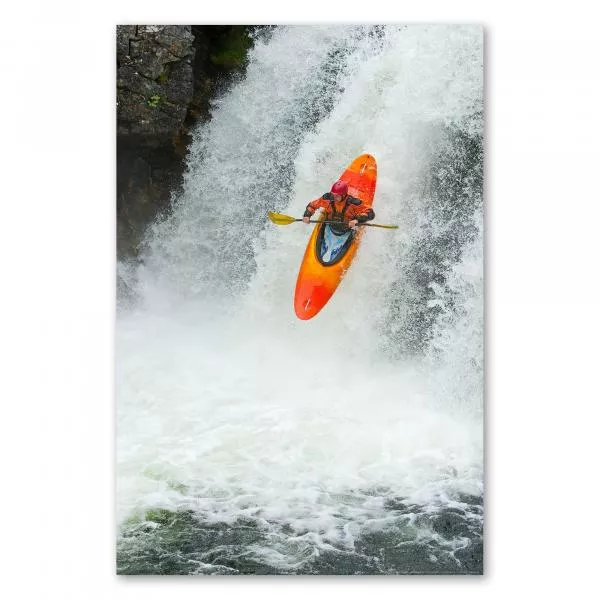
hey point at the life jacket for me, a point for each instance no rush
(339, 216)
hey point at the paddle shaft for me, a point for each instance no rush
(338, 223)
(280, 219)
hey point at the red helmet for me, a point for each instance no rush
(339, 187)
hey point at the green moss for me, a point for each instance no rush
(154, 100)
(166, 542)
(232, 48)
(161, 516)
(163, 78)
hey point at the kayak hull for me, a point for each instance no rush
(317, 282)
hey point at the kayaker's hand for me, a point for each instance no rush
(306, 219)
(352, 224)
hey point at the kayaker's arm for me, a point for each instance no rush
(369, 215)
(365, 214)
(313, 206)
(309, 212)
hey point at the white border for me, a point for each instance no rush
(57, 243)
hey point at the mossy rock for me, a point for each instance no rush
(232, 48)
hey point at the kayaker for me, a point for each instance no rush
(340, 207)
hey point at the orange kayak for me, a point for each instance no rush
(329, 254)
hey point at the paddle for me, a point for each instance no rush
(280, 219)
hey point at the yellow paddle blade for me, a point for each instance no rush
(280, 219)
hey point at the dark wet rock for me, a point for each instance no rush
(413, 559)
(154, 79)
(456, 511)
(471, 557)
(165, 542)
(397, 504)
(450, 525)
(124, 34)
(154, 89)
(471, 500)
(343, 563)
(168, 542)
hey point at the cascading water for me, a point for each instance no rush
(251, 442)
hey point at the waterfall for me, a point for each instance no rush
(279, 441)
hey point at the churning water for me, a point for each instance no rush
(251, 442)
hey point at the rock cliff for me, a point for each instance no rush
(166, 76)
